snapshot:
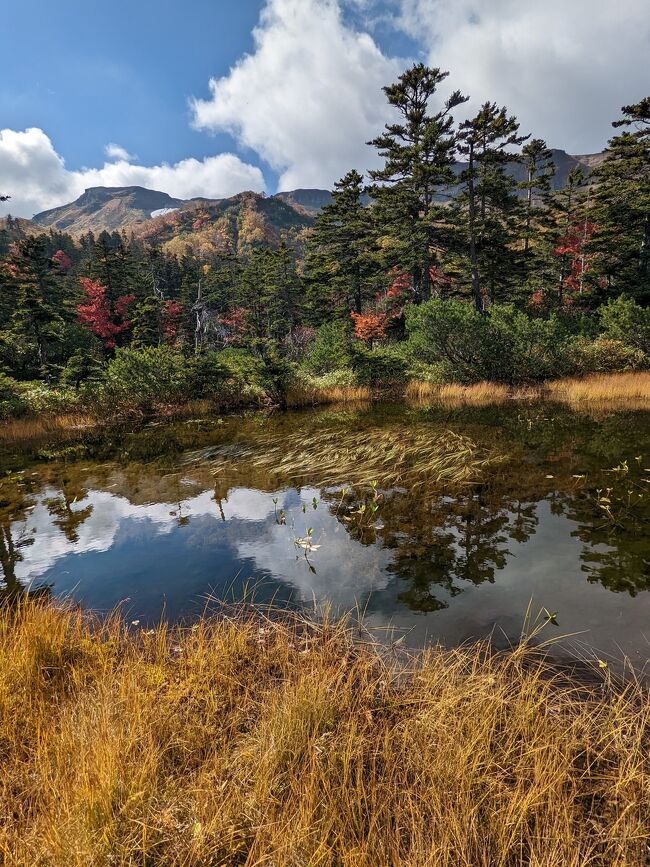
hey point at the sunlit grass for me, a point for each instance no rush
(35, 427)
(626, 389)
(244, 740)
(298, 396)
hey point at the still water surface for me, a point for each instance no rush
(529, 505)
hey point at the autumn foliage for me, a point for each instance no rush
(62, 260)
(370, 326)
(97, 314)
(573, 246)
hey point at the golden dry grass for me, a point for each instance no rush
(298, 396)
(478, 394)
(35, 427)
(244, 741)
(630, 390)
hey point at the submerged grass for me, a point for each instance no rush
(255, 741)
(407, 454)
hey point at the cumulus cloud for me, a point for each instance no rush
(308, 97)
(564, 68)
(117, 152)
(35, 176)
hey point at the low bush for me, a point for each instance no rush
(379, 366)
(626, 321)
(332, 349)
(505, 345)
(12, 402)
(604, 355)
(142, 378)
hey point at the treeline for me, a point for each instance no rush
(455, 270)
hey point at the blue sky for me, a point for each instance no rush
(90, 73)
(294, 104)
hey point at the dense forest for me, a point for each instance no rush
(440, 266)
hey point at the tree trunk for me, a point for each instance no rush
(476, 283)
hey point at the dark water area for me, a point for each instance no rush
(443, 524)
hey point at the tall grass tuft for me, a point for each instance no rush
(631, 390)
(255, 741)
(298, 395)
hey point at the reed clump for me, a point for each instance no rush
(629, 390)
(249, 740)
(36, 427)
(298, 396)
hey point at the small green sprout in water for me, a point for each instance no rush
(314, 503)
(550, 617)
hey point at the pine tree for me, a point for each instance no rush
(487, 208)
(540, 168)
(339, 260)
(38, 319)
(419, 156)
(621, 210)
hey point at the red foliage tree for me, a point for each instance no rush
(97, 314)
(171, 316)
(573, 245)
(370, 326)
(235, 323)
(62, 260)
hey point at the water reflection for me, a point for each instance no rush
(186, 510)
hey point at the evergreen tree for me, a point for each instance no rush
(622, 206)
(487, 208)
(540, 168)
(339, 257)
(419, 156)
(35, 290)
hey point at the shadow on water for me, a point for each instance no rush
(441, 522)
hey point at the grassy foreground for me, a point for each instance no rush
(245, 741)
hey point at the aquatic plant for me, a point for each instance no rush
(410, 455)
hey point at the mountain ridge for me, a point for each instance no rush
(133, 207)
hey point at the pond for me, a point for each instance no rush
(442, 524)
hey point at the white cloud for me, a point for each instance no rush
(309, 96)
(117, 152)
(564, 68)
(35, 176)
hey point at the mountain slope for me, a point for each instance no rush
(228, 226)
(106, 208)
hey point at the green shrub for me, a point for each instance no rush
(231, 375)
(39, 398)
(605, 355)
(142, 378)
(331, 350)
(377, 366)
(12, 402)
(344, 378)
(505, 346)
(626, 321)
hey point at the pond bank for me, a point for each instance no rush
(607, 391)
(248, 739)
